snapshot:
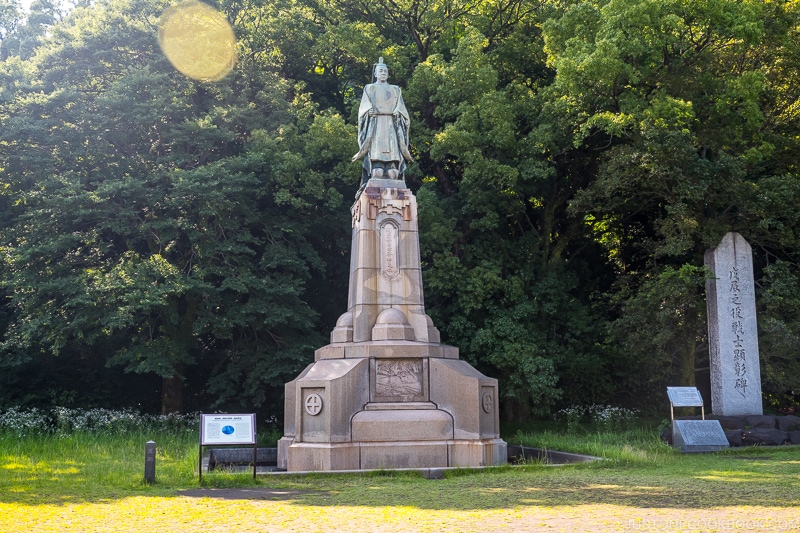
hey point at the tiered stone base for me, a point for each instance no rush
(303, 457)
(391, 411)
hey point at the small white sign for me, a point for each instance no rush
(684, 397)
(227, 429)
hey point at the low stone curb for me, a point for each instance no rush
(237, 459)
(427, 473)
(517, 453)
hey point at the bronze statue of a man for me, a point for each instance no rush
(382, 129)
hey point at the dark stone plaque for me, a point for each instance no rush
(698, 436)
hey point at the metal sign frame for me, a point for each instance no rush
(220, 430)
(684, 397)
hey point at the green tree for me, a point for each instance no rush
(503, 261)
(10, 20)
(168, 221)
(688, 110)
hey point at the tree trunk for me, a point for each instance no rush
(687, 364)
(172, 387)
(516, 411)
(172, 395)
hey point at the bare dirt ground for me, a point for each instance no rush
(270, 510)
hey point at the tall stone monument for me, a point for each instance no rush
(732, 329)
(385, 393)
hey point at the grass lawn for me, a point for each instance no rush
(84, 483)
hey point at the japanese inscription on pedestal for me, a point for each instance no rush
(389, 264)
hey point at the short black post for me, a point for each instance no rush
(150, 462)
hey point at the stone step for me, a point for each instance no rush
(402, 425)
(398, 406)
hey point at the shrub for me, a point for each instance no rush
(64, 421)
(604, 417)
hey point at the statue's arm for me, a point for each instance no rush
(400, 107)
(366, 103)
(364, 122)
(402, 123)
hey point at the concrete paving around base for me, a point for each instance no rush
(245, 494)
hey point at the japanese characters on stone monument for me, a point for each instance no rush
(385, 393)
(732, 329)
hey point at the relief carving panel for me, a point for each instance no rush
(399, 380)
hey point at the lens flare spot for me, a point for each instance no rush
(197, 40)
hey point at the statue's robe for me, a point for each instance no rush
(385, 136)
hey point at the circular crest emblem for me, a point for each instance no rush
(313, 404)
(487, 402)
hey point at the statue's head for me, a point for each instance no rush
(380, 71)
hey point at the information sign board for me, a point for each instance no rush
(226, 429)
(684, 397)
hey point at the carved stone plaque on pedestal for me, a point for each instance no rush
(698, 436)
(399, 380)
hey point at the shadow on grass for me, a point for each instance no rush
(541, 486)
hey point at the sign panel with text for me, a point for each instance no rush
(684, 397)
(225, 429)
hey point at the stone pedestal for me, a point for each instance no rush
(732, 329)
(385, 393)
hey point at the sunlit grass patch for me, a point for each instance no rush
(736, 476)
(87, 482)
(10, 465)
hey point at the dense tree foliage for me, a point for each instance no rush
(574, 161)
(156, 219)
